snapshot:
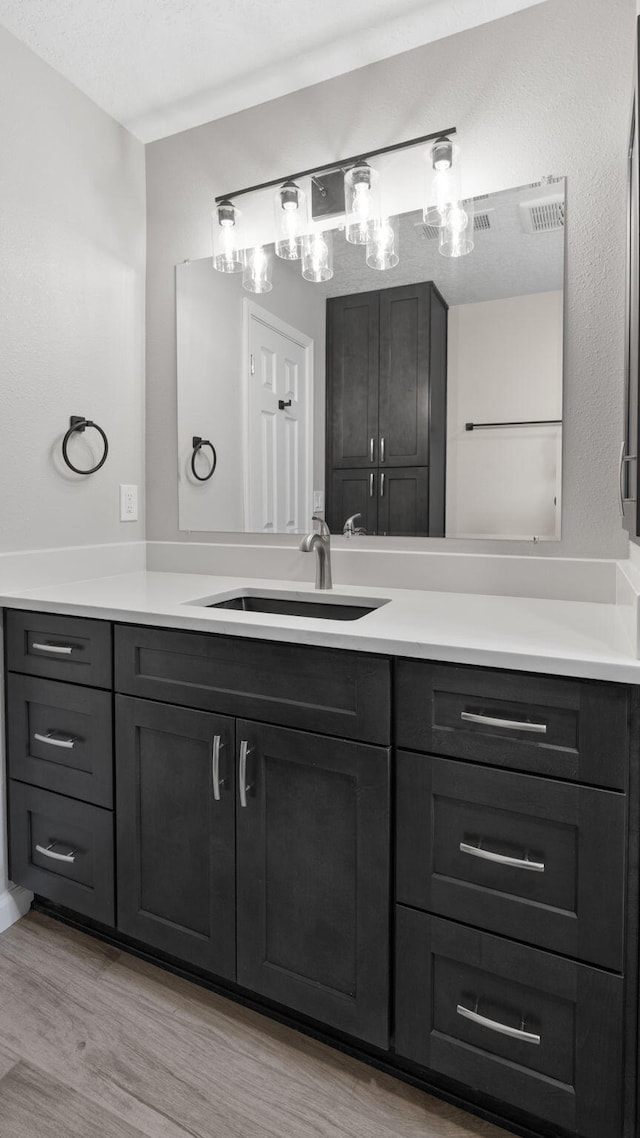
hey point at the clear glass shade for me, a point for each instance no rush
(442, 182)
(290, 216)
(227, 252)
(382, 249)
(317, 256)
(362, 203)
(257, 270)
(457, 233)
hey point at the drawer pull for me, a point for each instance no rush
(494, 1025)
(49, 852)
(509, 724)
(215, 767)
(59, 649)
(516, 862)
(53, 741)
(242, 772)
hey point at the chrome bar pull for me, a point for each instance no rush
(217, 782)
(243, 786)
(60, 649)
(372, 484)
(501, 1028)
(501, 859)
(382, 449)
(52, 741)
(49, 852)
(508, 724)
(372, 450)
(624, 458)
(382, 485)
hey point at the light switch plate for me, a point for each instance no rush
(128, 503)
(318, 501)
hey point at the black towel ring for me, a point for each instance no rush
(197, 444)
(79, 423)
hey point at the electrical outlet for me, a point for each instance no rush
(128, 503)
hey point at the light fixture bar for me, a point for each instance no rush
(340, 162)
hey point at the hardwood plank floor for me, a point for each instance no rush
(99, 1043)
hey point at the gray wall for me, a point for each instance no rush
(72, 257)
(546, 90)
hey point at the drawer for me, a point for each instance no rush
(566, 728)
(63, 850)
(535, 1031)
(531, 858)
(59, 647)
(59, 737)
(317, 689)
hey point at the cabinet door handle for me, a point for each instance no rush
(215, 766)
(243, 786)
(372, 445)
(382, 449)
(60, 649)
(495, 1025)
(501, 859)
(372, 484)
(48, 852)
(382, 485)
(623, 459)
(508, 724)
(52, 741)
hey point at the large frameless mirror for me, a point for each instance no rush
(394, 378)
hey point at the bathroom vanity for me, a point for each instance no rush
(431, 864)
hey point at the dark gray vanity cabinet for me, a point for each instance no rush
(386, 409)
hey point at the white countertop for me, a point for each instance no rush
(567, 638)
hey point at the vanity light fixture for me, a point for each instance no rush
(457, 234)
(289, 210)
(382, 249)
(443, 169)
(317, 256)
(361, 203)
(227, 255)
(257, 270)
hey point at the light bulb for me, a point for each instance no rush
(290, 216)
(317, 256)
(362, 203)
(227, 258)
(443, 181)
(382, 248)
(457, 233)
(257, 270)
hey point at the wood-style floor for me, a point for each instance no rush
(97, 1044)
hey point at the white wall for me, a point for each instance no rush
(72, 256)
(529, 94)
(504, 365)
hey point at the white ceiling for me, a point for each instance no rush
(162, 66)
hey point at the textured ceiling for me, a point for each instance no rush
(162, 66)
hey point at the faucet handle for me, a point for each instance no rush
(323, 527)
(349, 527)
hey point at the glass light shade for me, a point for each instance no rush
(457, 233)
(362, 203)
(317, 256)
(382, 249)
(290, 218)
(227, 255)
(257, 270)
(442, 182)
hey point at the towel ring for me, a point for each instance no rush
(197, 444)
(79, 423)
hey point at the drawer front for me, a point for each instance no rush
(63, 850)
(331, 692)
(538, 1032)
(59, 737)
(566, 728)
(59, 647)
(527, 857)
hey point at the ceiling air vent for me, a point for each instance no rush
(481, 223)
(542, 215)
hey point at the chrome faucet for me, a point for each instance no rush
(320, 543)
(350, 528)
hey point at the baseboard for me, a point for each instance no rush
(14, 903)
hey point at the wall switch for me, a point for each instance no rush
(318, 501)
(128, 503)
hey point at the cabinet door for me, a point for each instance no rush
(403, 502)
(404, 375)
(352, 380)
(313, 876)
(176, 831)
(353, 492)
